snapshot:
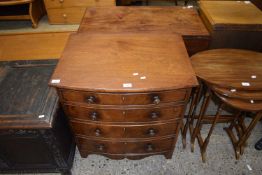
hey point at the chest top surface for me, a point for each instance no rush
(183, 21)
(26, 100)
(234, 68)
(124, 63)
(233, 14)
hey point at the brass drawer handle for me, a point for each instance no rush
(61, 1)
(90, 99)
(64, 15)
(94, 116)
(156, 99)
(154, 115)
(150, 147)
(100, 147)
(151, 132)
(98, 132)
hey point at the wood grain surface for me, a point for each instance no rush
(143, 19)
(230, 68)
(232, 15)
(107, 63)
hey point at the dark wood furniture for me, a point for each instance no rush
(31, 10)
(158, 20)
(233, 24)
(34, 133)
(124, 94)
(234, 78)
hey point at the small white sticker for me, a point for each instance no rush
(135, 73)
(247, 2)
(189, 6)
(41, 116)
(245, 84)
(252, 101)
(233, 90)
(127, 85)
(249, 167)
(55, 81)
(143, 77)
(253, 76)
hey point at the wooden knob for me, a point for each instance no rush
(94, 116)
(100, 147)
(154, 115)
(61, 1)
(64, 15)
(156, 100)
(97, 132)
(150, 147)
(90, 99)
(151, 132)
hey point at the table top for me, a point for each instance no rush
(239, 15)
(124, 63)
(181, 20)
(26, 100)
(232, 68)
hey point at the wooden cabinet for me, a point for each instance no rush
(124, 94)
(34, 132)
(158, 20)
(71, 11)
(233, 24)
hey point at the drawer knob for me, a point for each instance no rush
(94, 116)
(151, 132)
(90, 99)
(150, 147)
(100, 147)
(156, 100)
(97, 132)
(64, 15)
(154, 115)
(61, 1)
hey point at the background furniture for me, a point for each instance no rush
(234, 78)
(233, 24)
(22, 10)
(71, 11)
(157, 20)
(125, 94)
(34, 132)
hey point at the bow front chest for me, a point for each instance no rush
(124, 95)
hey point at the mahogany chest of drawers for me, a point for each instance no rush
(34, 132)
(124, 95)
(158, 20)
(71, 11)
(233, 24)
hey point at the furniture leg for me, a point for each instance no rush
(201, 115)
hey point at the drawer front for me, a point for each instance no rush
(152, 146)
(66, 15)
(125, 99)
(151, 130)
(123, 131)
(97, 146)
(114, 147)
(124, 115)
(77, 3)
(97, 130)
